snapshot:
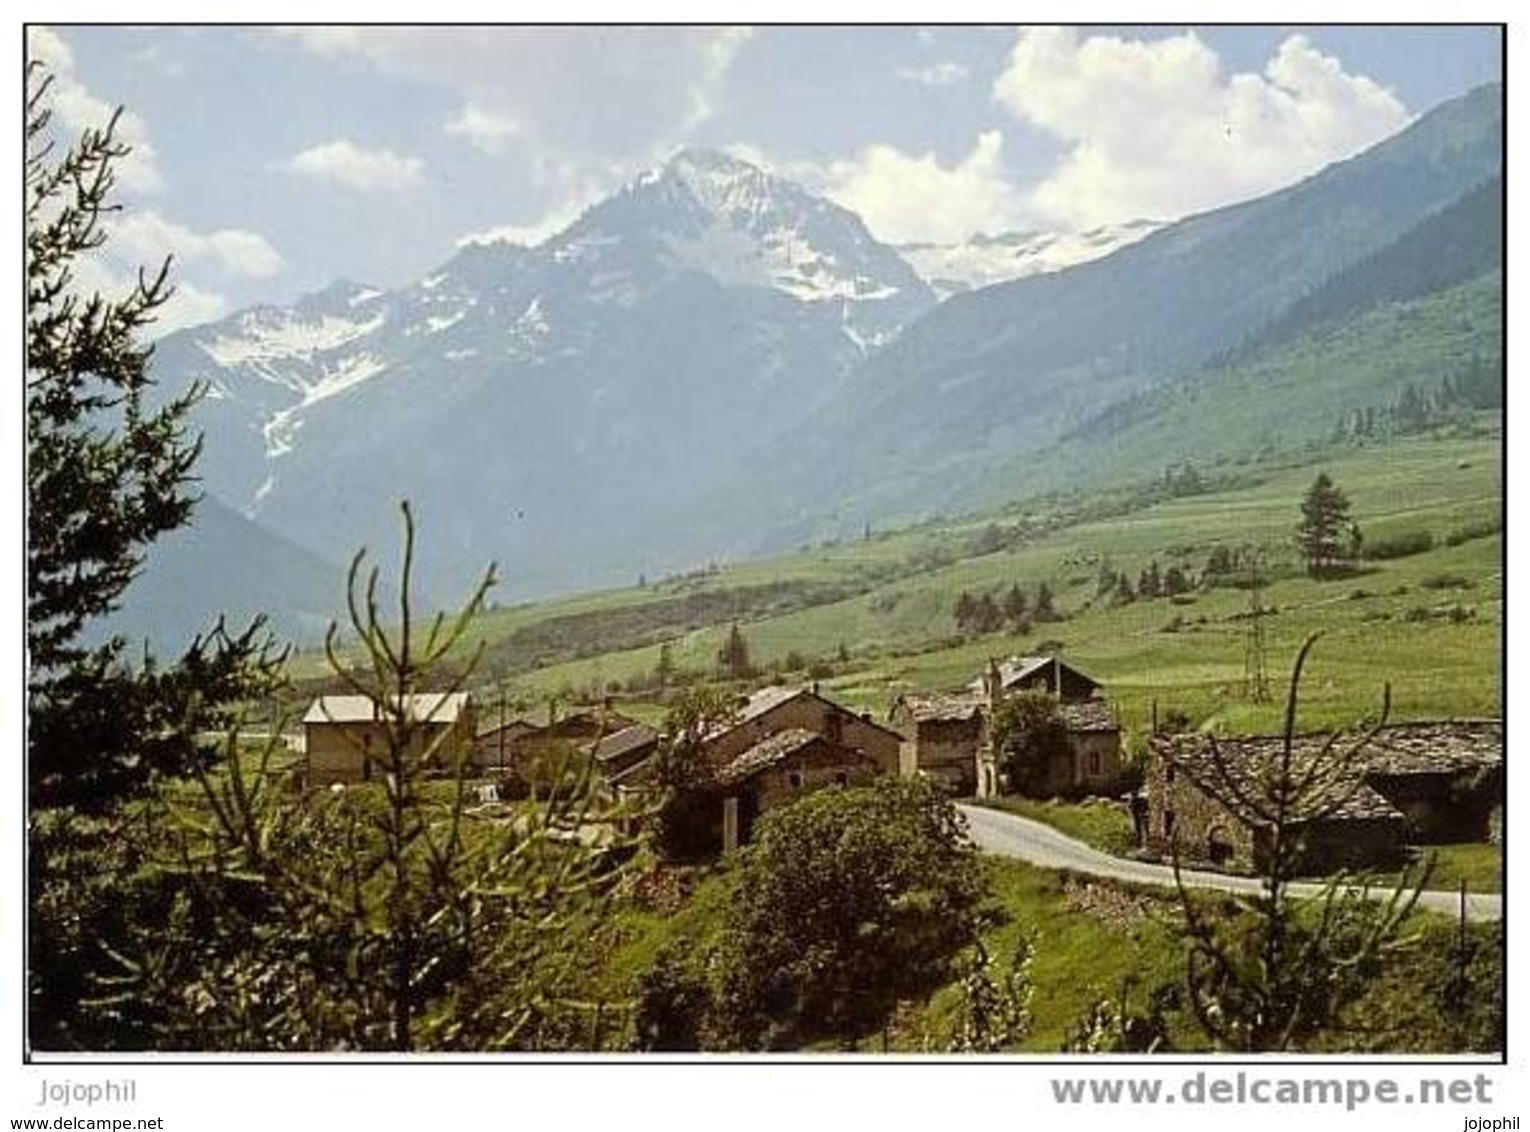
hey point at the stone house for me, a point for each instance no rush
(780, 769)
(942, 734)
(1036, 674)
(1092, 763)
(347, 737)
(563, 743)
(946, 735)
(1413, 782)
(772, 710)
(779, 744)
(498, 751)
(622, 751)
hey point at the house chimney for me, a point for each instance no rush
(993, 682)
(815, 687)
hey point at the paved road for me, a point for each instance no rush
(1008, 835)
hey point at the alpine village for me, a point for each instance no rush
(706, 628)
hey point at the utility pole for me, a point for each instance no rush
(1256, 681)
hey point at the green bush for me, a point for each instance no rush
(1400, 545)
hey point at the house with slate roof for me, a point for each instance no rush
(1410, 783)
(945, 734)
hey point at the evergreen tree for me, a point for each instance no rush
(1043, 608)
(1324, 532)
(107, 475)
(733, 658)
(1015, 605)
(664, 670)
(965, 612)
(989, 618)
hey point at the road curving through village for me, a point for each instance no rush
(1009, 835)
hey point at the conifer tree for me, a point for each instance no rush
(108, 473)
(733, 658)
(1324, 532)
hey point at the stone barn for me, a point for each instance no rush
(347, 737)
(1205, 796)
(1446, 777)
(1412, 783)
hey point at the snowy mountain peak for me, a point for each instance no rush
(721, 184)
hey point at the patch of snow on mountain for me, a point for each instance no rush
(365, 295)
(267, 337)
(985, 260)
(352, 371)
(438, 323)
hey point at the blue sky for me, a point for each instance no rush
(273, 161)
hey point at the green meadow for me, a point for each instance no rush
(873, 617)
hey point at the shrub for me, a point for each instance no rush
(847, 902)
(1446, 582)
(1400, 545)
(1480, 528)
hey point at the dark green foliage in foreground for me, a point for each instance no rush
(106, 477)
(848, 901)
(382, 916)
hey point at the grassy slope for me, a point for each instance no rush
(1291, 394)
(901, 633)
(1091, 941)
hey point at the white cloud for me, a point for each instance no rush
(528, 235)
(76, 109)
(483, 129)
(188, 305)
(935, 74)
(1157, 129)
(148, 237)
(586, 94)
(908, 198)
(343, 162)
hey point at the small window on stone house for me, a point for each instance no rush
(841, 778)
(794, 779)
(1096, 764)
